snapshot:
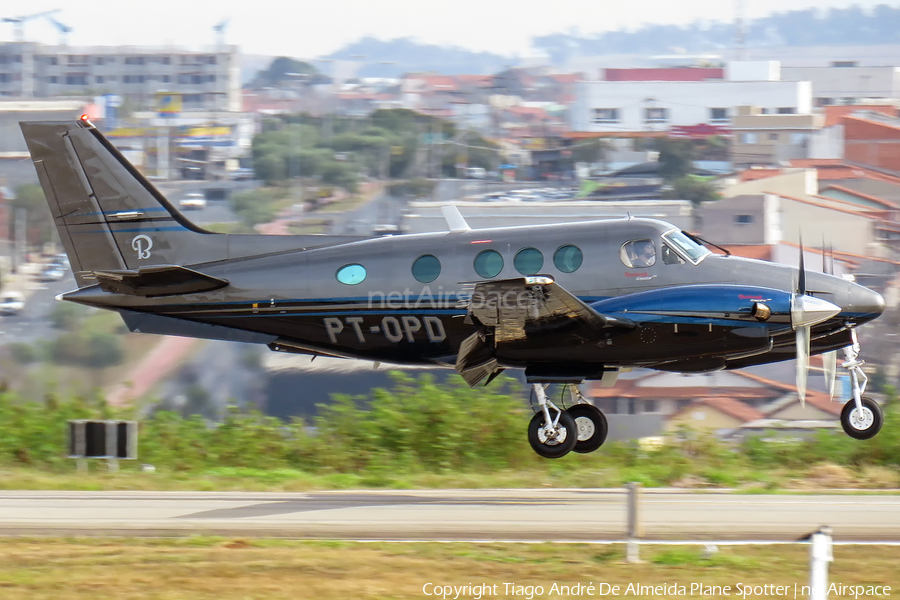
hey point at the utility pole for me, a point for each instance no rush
(19, 239)
(739, 40)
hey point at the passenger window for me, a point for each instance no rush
(638, 253)
(568, 258)
(488, 263)
(351, 274)
(528, 261)
(426, 268)
(670, 257)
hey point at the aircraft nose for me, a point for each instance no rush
(866, 302)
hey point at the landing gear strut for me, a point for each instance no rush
(861, 417)
(554, 432)
(551, 432)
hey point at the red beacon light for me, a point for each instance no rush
(86, 120)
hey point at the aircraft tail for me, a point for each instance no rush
(108, 215)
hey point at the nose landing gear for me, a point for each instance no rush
(554, 432)
(861, 417)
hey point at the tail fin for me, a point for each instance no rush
(108, 215)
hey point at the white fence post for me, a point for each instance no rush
(635, 527)
(820, 554)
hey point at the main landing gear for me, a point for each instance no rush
(554, 432)
(861, 417)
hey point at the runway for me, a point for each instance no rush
(551, 514)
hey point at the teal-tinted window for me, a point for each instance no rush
(568, 258)
(426, 268)
(488, 263)
(351, 274)
(528, 261)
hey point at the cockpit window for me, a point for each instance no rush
(638, 253)
(670, 257)
(685, 246)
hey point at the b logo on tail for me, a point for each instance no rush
(142, 244)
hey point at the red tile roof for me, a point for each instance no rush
(851, 209)
(882, 201)
(754, 174)
(664, 74)
(757, 251)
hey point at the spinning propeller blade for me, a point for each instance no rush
(829, 364)
(806, 311)
(802, 361)
(829, 359)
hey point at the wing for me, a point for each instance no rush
(535, 310)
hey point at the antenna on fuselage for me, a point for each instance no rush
(455, 221)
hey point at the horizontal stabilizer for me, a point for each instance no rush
(158, 280)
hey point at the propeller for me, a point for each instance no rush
(806, 311)
(829, 359)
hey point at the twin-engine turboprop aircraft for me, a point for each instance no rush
(566, 303)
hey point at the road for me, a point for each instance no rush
(573, 514)
(33, 323)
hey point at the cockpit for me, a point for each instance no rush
(676, 247)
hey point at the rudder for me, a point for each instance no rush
(108, 215)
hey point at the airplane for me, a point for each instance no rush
(567, 303)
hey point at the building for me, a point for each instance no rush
(629, 108)
(16, 167)
(763, 139)
(204, 80)
(873, 139)
(846, 82)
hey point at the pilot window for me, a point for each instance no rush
(638, 253)
(528, 261)
(670, 257)
(426, 268)
(488, 263)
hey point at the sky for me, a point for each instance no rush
(311, 28)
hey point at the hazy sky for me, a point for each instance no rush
(308, 28)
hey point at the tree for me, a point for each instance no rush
(592, 151)
(693, 188)
(38, 220)
(276, 74)
(676, 158)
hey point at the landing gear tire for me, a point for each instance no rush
(549, 444)
(862, 426)
(591, 427)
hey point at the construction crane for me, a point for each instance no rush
(64, 30)
(19, 22)
(220, 31)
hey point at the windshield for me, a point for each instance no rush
(685, 246)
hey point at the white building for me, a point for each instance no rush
(204, 79)
(643, 106)
(845, 82)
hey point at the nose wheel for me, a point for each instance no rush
(862, 423)
(861, 417)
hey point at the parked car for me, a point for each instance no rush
(193, 201)
(52, 272)
(11, 303)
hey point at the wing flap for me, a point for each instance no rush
(535, 306)
(158, 280)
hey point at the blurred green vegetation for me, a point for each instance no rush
(420, 433)
(340, 150)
